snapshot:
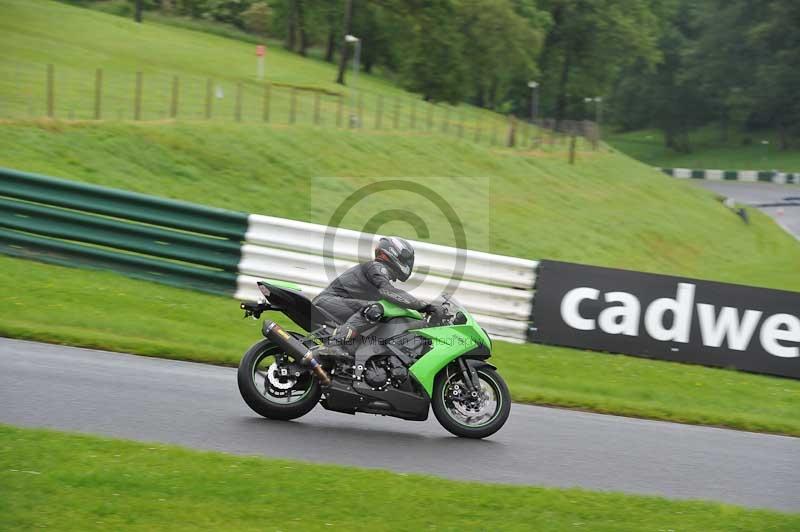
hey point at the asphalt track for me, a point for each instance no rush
(197, 405)
(780, 202)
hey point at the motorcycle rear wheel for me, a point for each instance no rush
(469, 417)
(272, 400)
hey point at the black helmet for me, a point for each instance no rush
(397, 254)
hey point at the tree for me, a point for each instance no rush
(137, 13)
(301, 27)
(433, 56)
(666, 95)
(291, 25)
(589, 42)
(720, 59)
(257, 17)
(502, 50)
(347, 28)
(776, 41)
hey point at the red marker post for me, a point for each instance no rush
(261, 51)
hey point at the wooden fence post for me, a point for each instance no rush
(51, 107)
(265, 102)
(137, 98)
(238, 109)
(379, 112)
(572, 150)
(98, 94)
(512, 131)
(209, 97)
(173, 108)
(292, 105)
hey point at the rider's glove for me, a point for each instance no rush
(436, 313)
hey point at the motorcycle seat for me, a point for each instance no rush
(299, 308)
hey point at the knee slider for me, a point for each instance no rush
(373, 313)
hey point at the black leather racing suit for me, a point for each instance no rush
(350, 296)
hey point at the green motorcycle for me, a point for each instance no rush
(403, 367)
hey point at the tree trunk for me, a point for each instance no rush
(783, 136)
(561, 99)
(137, 13)
(669, 138)
(345, 52)
(480, 96)
(330, 48)
(724, 126)
(291, 26)
(301, 26)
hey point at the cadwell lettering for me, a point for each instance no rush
(732, 327)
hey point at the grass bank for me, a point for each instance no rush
(741, 151)
(108, 311)
(70, 482)
(606, 209)
(35, 34)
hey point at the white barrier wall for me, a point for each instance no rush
(497, 289)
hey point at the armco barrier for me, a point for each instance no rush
(497, 289)
(221, 251)
(72, 223)
(747, 176)
(310, 238)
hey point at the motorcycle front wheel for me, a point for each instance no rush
(273, 386)
(467, 415)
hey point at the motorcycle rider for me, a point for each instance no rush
(353, 296)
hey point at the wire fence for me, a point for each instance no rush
(30, 91)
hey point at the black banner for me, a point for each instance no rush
(669, 318)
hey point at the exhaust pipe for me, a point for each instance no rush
(274, 332)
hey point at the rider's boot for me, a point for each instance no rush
(340, 346)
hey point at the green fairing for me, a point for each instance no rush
(284, 284)
(390, 310)
(449, 343)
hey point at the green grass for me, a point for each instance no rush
(108, 311)
(605, 210)
(34, 34)
(70, 482)
(708, 151)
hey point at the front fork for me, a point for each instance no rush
(470, 377)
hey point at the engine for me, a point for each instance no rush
(381, 371)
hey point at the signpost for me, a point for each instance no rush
(261, 51)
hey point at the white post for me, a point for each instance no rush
(354, 88)
(261, 51)
(534, 99)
